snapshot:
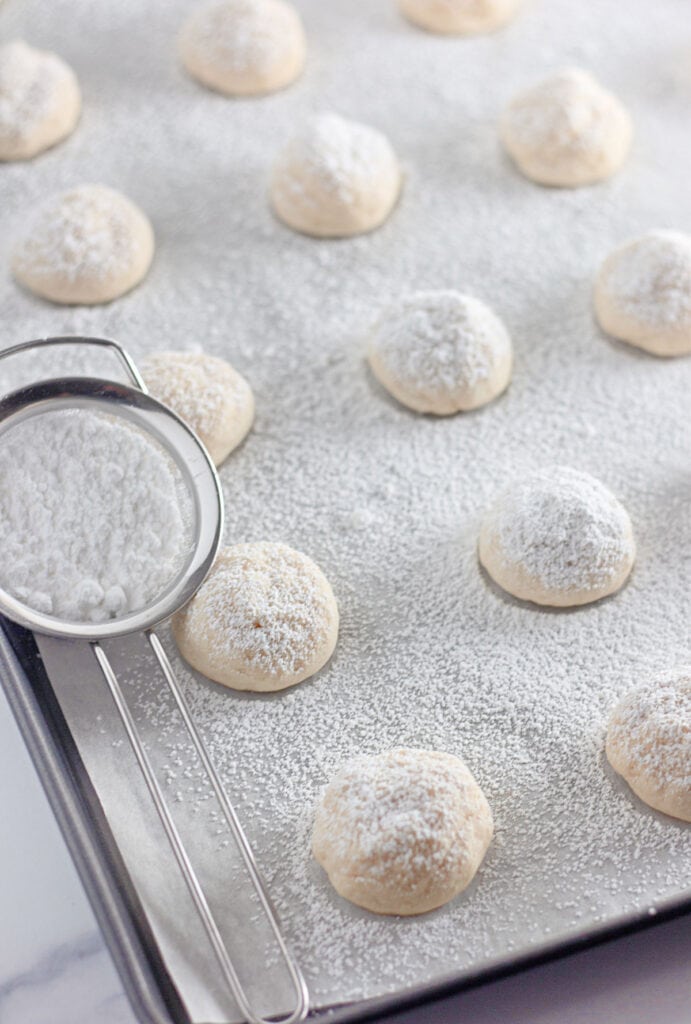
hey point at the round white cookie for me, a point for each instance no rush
(643, 293)
(567, 130)
(649, 743)
(265, 618)
(557, 537)
(441, 352)
(337, 178)
(40, 101)
(86, 246)
(459, 17)
(243, 47)
(206, 392)
(402, 832)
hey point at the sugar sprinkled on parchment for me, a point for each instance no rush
(387, 502)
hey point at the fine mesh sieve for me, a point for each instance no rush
(133, 404)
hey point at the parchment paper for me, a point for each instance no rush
(389, 503)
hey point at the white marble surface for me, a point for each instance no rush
(54, 968)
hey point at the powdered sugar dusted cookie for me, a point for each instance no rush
(336, 178)
(206, 392)
(557, 537)
(243, 47)
(459, 17)
(40, 101)
(86, 246)
(265, 618)
(567, 130)
(649, 742)
(441, 352)
(643, 293)
(402, 832)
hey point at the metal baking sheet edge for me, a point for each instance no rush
(145, 981)
(88, 840)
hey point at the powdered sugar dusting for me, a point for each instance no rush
(650, 279)
(401, 824)
(569, 111)
(241, 36)
(83, 235)
(262, 608)
(334, 156)
(200, 389)
(435, 342)
(30, 84)
(564, 527)
(94, 516)
(389, 504)
(651, 730)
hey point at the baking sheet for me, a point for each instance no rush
(388, 502)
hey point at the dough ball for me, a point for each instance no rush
(207, 393)
(338, 178)
(649, 743)
(86, 246)
(265, 618)
(40, 101)
(643, 293)
(557, 537)
(567, 131)
(459, 17)
(244, 47)
(402, 832)
(441, 352)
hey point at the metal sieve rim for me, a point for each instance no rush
(191, 458)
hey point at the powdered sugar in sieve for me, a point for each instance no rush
(89, 553)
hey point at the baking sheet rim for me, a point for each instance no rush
(35, 731)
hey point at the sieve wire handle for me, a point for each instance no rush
(184, 863)
(123, 356)
(182, 857)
